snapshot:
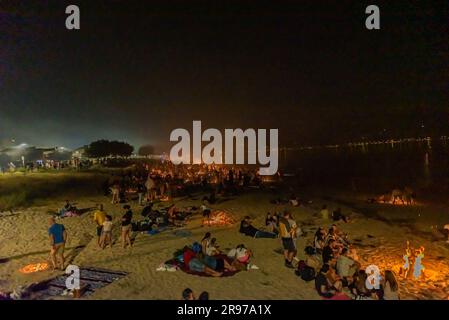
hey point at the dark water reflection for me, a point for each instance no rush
(422, 165)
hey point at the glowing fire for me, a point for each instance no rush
(413, 263)
(36, 267)
(218, 218)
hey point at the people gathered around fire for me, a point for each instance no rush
(146, 197)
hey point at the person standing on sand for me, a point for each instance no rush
(150, 184)
(287, 232)
(115, 190)
(99, 217)
(106, 237)
(58, 238)
(126, 226)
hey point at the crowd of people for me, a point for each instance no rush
(165, 181)
(331, 262)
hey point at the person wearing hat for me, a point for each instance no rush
(126, 226)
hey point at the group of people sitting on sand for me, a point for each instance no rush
(333, 264)
(206, 257)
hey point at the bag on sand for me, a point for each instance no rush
(305, 272)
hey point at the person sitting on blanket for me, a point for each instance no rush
(68, 207)
(319, 241)
(194, 264)
(271, 221)
(175, 216)
(240, 256)
(205, 242)
(248, 229)
(213, 248)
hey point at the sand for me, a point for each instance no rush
(24, 240)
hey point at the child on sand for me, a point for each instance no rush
(106, 237)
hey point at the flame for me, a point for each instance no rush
(36, 267)
(413, 262)
(218, 218)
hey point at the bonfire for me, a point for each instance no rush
(35, 267)
(218, 218)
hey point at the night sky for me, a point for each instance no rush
(138, 69)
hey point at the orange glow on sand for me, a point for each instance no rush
(35, 267)
(219, 218)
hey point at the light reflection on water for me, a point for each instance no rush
(421, 164)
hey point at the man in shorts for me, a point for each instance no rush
(58, 238)
(287, 232)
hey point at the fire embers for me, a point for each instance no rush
(36, 267)
(218, 218)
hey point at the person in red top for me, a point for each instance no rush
(194, 264)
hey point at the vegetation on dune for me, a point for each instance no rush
(18, 191)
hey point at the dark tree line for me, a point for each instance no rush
(106, 148)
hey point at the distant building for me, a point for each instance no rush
(18, 155)
(80, 153)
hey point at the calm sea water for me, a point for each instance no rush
(378, 167)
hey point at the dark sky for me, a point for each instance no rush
(138, 69)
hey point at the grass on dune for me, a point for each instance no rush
(19, 190)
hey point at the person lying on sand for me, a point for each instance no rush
(248, 229)
(58, 238)
(192, 262)
(68, 209)
(217, 264)
(177, 216)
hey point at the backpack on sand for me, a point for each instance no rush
(305, 272)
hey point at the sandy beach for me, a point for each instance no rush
(377, 231)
